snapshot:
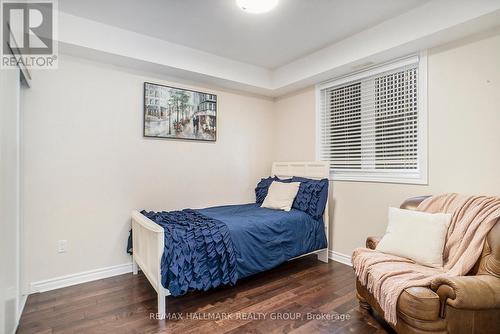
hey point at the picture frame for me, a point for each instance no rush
(179, 113)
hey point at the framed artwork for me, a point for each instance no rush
(178, 113)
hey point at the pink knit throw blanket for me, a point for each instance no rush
(386, 276)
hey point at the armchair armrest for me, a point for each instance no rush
(371, 242)
(468, 292)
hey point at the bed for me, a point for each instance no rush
(262, 238)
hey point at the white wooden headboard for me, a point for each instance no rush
(309, 169)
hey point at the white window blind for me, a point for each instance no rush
(369, 124)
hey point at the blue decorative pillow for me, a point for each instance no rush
(312, 196)
(263, 187)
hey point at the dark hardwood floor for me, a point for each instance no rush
(300, 296)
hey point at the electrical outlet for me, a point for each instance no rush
(62, 246)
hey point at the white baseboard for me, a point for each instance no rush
(78, 278)
(22, 303)
(92, 275)
(339, 257)
(20, 309)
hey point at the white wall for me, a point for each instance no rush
(9, 199)
(87, 165)
(464, 140)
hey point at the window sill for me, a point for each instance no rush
(401, 179)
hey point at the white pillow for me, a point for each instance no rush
(281, 195)
(416, 235)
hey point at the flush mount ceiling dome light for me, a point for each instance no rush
(257, 6)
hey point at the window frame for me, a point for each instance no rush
(418, 176)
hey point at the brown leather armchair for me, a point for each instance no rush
(465, 304)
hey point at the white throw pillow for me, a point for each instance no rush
(281, 195)
(416, 235)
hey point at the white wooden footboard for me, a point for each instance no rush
(148, 241)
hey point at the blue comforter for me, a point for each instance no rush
(264, 238)
(204, 247)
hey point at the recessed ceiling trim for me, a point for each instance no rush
(416, 25)
(74, 30)
(407, 33)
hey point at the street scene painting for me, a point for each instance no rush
(177, 113)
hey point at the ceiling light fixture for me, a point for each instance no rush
(257, 6)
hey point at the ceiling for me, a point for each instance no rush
(293, 30)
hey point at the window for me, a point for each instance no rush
(372, 124)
